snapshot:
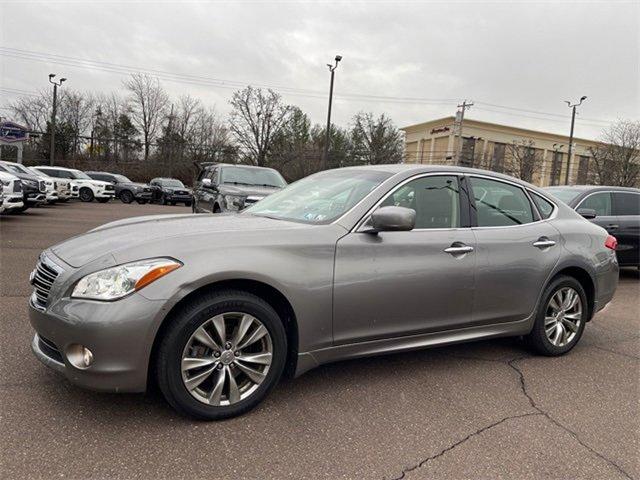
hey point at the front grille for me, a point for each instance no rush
(17, 186)
(42, 281)
(42, 186)
(49, 349)
(109, 187)
(180, 192)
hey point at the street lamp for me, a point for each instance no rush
(332, 69)
(573, 120)
(53, 115)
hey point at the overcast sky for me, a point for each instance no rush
(528, 56)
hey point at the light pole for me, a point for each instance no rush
(53, 116)
(573, 121)
(332, 69)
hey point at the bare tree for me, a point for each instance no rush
(148, 101)
(256, 118)
(617, 157)
(376, 140)
(76, 111)
(523, 159)
(34, 111)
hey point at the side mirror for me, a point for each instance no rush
(206, 182)
(391, 219)
(587, 213)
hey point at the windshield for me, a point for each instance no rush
(264, 177)
(79, 175)
(320, 198)
(564, 194)
(18, 168)
(121, 178)
(172, 182)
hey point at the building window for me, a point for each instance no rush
(583, 170)
(556, 168)
(468, 151)
(497, 161)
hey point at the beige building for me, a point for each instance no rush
(538, 157)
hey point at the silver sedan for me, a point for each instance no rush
(342, 264)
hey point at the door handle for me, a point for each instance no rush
(543, 242)
(458, 249)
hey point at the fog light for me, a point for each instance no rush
(79, 356)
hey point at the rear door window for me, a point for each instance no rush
(500, 204)
(626, 203)
(600, 202)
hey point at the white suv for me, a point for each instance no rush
(61, 186)
(87, 188)
(12, 192)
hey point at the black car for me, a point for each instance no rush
(33, 188)
(617, 209)
(169, 191)
(229, 188)
(126, 190)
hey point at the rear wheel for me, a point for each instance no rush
(86, 194)
(561, 317)
(222, 355)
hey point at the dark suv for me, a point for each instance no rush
(229, 188)
(126, 190)
(617, 209)
(169, 191)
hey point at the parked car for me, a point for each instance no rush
(88, 188)
(126, 190)
(51, 193)
(231, 188)
(170, 191)
(33, 188)
(13, 200)
(616, 209)
(216, 307)
(61, 186)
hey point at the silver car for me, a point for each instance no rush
(342, 264)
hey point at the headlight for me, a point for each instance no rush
(117, 282)
(234, 202)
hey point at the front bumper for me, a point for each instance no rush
(105, 194)
(13, 202)
(120, 335)
(34, 198)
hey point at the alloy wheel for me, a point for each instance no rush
(563, 316)
(226, 359)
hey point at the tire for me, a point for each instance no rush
(86, 194)
(126, 196)
(538, 339)
(103, 200)
(179, 339)
(216, 209)
(22, 209)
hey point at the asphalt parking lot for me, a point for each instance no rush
(481, 410)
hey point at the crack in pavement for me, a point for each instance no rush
(460, 442)
(539, 411)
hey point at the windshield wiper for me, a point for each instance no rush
(239, 183)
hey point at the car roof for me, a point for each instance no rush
(593, 188)
(57, 168)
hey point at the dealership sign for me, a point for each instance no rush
(12, 132)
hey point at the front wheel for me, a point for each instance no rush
(86, 194)
(126, 196)
(561, 317)
(222, 355)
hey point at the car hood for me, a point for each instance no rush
(246, 190)
(120, 235)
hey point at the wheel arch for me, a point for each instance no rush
(585, 279)
(268, 293)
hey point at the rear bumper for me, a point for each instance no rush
(606, 284)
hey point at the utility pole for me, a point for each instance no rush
(460, 120)
(52, 147)
(332, 69)
(573, 121)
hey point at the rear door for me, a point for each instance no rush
(626, 206)
(516, 251)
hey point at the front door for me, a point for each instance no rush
(401, 283)
(626, 206)
(515, 252)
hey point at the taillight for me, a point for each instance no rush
(611, 242)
